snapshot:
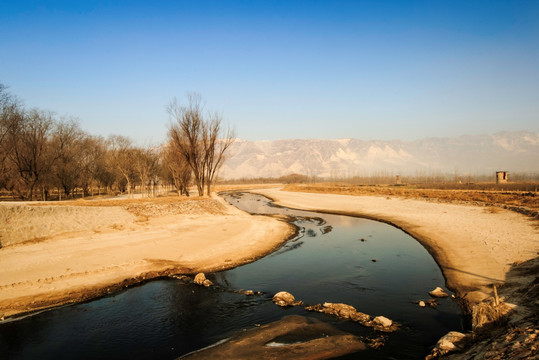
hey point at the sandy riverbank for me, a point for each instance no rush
(474, 246)
(54, 255)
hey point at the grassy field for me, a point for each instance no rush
(524, 195)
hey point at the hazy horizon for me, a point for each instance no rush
(291, 137)
(516, 152)
(277, 70)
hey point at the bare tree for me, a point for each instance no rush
(198, 140)
(123, 159)
(31, 153)
(89, 158)
(7, 108)
(11, 114)
(99, 164)
(67, 144)
(177, 169)
(215, 147)
(39, 152)
(186, 133)
(145, 162)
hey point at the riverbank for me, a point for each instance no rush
(58, 254)
(476, 247)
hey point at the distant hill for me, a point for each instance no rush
(472, 154)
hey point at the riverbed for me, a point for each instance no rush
(373, 266)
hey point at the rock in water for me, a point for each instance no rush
(438, 293)
(382, 320)
(340, 310)
(200, 279)
(345, 311)
(326, 229)
(451, 341)
(430, 303)
(283, 298)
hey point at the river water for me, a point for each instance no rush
(330, 260)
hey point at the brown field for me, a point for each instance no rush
(523, 196)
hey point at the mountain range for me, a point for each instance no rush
(468, 154)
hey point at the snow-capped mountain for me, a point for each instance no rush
(477, 154)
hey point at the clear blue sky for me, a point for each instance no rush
(279, 69)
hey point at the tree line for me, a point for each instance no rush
(42, 154)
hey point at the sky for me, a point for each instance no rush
(279, 69)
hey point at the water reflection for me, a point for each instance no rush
(164, 319)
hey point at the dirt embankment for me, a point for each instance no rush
(55, 254)
(23, 223)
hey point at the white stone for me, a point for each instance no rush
(283, 298)
(446, 345)
(447, 342)
(199, 279)
(382, 320)
(438, 292)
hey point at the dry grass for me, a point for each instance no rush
(104, 202)
(503, 198)
(236, 187)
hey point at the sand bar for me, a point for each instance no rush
(98, 258)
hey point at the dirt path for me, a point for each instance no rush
(78, 266)
(475, 246)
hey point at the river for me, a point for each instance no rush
(375, 267)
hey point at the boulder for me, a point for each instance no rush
(283, 298)
(200, 279)
(383, 321)
(445, 345)
(438, 293)
(343, 311)
(451, 341)
(453, 338)
(349, 312)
